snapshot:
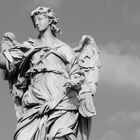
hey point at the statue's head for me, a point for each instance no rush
(48, 13)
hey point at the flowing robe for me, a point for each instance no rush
(38, 79)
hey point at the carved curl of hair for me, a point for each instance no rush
(48, 12)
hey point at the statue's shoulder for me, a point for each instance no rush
(66, 50)
(29, 43)
(64, 46)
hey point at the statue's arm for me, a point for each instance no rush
(10, 55)
(76, 76)
(5, 45)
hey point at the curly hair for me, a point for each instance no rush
(48, 12)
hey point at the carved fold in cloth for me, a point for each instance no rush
(53, 89)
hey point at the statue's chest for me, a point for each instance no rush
(48, 58)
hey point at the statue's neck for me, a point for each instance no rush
(46, 36)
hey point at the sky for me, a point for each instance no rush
(115, 27)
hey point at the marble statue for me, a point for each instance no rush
(52, 84)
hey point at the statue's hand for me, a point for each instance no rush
(7, 41)
(74, 83)
(10, 36)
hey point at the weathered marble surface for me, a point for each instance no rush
(52, 85)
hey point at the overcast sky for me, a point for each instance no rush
(115, 26)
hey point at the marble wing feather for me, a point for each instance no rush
(88, 61)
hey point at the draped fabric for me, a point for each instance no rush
(37, 78)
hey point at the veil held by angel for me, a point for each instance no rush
(52, 87)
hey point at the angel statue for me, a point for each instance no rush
(52, 84)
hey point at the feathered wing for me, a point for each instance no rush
(88, 61)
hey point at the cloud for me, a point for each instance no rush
(121, 64)
(122, 117)
(115, 135)
(137, 133)
(129, 9)
(111, 135)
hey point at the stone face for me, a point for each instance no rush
(52, 84)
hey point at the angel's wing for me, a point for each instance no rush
(88, 61)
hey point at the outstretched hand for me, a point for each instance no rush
(8, 41)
